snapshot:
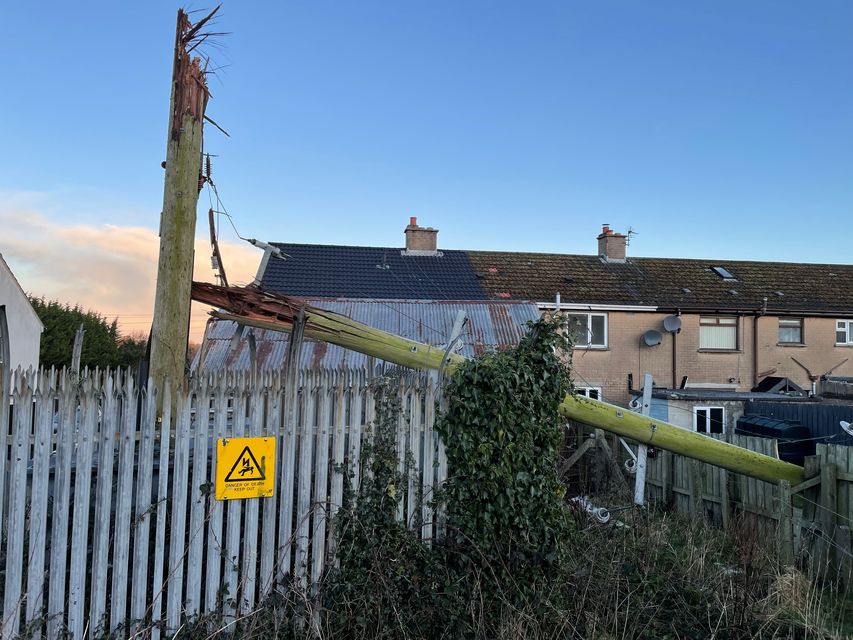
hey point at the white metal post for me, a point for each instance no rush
(642, 450)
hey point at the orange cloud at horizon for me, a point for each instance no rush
(110, 269)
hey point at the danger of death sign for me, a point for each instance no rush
(245, 468)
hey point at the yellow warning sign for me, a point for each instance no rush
(245, 468)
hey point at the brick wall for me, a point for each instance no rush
(609, 368)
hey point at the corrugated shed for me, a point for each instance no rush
(491, 325)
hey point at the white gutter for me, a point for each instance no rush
(571, 306)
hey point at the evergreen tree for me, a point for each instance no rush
(102, 344)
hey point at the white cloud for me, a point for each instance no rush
(108, 268)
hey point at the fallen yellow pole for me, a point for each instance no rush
(342, 331)
(687, 443)
(258, 309)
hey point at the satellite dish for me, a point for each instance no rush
(672, 324)
(847, 427)
(652, 338)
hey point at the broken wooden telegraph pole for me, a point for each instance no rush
(170, 327)
(254, 307)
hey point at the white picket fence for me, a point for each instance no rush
(107, 525)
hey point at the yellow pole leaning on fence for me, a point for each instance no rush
(345, 332)
(678, 440)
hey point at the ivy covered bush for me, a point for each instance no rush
(502, 434)
(506, 522)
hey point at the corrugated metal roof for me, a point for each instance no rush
(491, 325)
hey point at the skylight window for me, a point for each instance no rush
(724, 273)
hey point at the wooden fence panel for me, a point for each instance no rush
(135, 540)
(321, 477)
(39, 492)
(255, 410)
(16, 534)
(177, 546)
(271, 429)
(159, 585)
(124, 503)
(428, 464)
(198, 499)
(403, 419)
(303, 505)
(234, 512)
(360, 416)
(215, 547)
(294, 399)
(413, 456)
(103, 503)
(80, 523)
(143, 508)
(65, 430)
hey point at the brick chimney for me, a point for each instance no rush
(611, 245)
(420, 241)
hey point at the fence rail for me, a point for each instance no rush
(88, 467)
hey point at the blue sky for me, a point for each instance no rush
(714, 129)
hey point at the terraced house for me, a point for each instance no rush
(701, 323)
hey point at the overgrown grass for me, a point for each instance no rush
(650, 576)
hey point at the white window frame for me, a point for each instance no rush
(585, 392)
(847, 327)
(698, 408)
(589, 316)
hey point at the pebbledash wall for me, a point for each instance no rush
(608, 368)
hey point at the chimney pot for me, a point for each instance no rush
(413, 221)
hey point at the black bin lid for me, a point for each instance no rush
(751, 425)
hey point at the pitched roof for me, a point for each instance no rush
(371, 272)
(667, 283)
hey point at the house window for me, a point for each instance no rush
(588, 330)
(589, 392)
(718, 333)
(709, 419)
(790, 331)
(844, 332)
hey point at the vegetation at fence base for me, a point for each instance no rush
(387, 582)
(655, 576)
